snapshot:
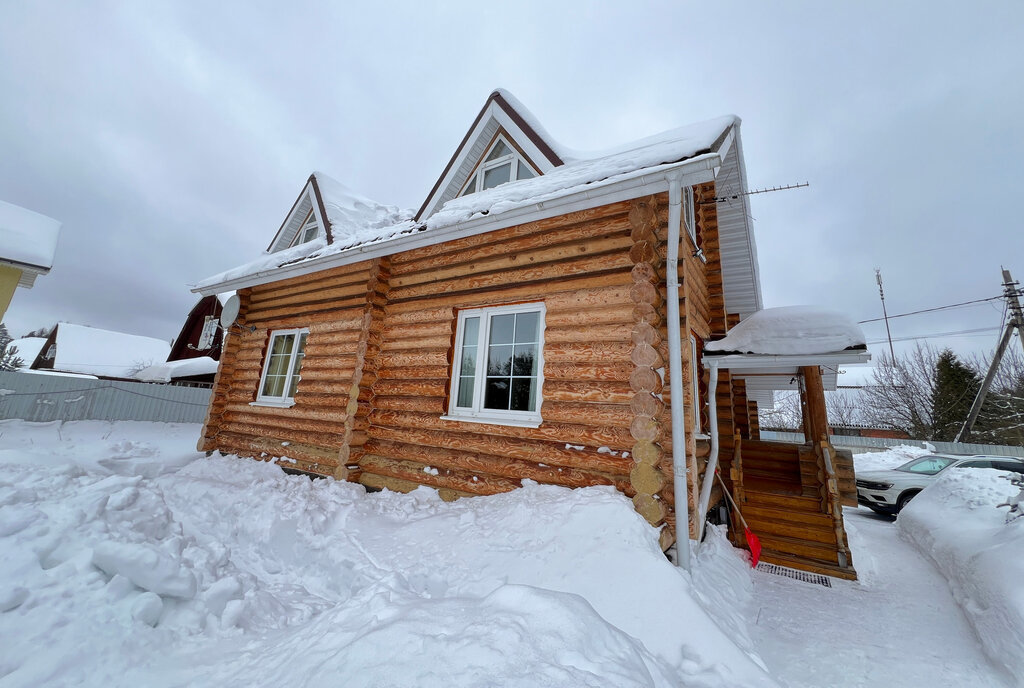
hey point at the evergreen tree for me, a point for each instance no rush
(956, 385)
(9, 359)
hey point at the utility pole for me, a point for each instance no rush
(1011, 291)
(885, 315)
(1016, 320)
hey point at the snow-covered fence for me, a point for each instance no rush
(852, 442)
(45, 398)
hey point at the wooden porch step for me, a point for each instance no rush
(798, 547)
(759, 512)
(790, 502)
(770, 485)
(821, 533)
(802, 564)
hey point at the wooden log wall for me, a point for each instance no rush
(579, 266)
(332, 304)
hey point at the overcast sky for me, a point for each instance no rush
(171, 139)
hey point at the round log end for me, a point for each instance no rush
(650, 508)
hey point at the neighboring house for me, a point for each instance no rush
(195, 353)
(102, 353)
(28, 242)
(523, 324)
(28, 348)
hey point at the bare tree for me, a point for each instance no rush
(900, 394)
(785, 414)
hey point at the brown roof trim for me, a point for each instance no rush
(323, 211)
(531, 134)
(289, 215)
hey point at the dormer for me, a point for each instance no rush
(504, 144)
(306, 220)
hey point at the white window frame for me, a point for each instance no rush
(312, 219)
(477, 413)
(689, 216)
(477, 180)
(282, 401)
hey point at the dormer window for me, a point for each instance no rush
(501, 164)
(308, 231)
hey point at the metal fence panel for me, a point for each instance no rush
(853, 442)
(45, 398)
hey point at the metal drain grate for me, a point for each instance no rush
(815, 578)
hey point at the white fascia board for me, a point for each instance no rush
(28, 272)
(770, 364)
(643, 182)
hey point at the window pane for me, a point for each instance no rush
(522, 394)
(465, 396)
(470, 331)
(471, 188)
(499, 360)
(497, 175)
(502, 329)
(469, 360)
(496, 396)
(524, 361)
(526, 327)
(498, 151)
(273, 386)
(524, 172)
(300, 355)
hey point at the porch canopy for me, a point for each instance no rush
(770, 349)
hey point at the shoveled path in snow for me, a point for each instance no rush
(896, 626)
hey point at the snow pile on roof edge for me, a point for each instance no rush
(955, 524)
(27, 237)
(791, 330)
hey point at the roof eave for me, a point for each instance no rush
(695, 170)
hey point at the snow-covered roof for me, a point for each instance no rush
(171, 370)
(791, 330)
(28, 348)
(356, 224)
(28, 240)
(92, 351)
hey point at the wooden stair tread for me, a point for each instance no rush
(805, 549)
(810, 504)
(761, 512)
(772, 486)
(847, 573)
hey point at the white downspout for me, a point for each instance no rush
(680, 481)
(712, 466)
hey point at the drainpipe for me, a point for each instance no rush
(709, 471)
(680, 481)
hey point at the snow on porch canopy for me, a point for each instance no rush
(768, 348)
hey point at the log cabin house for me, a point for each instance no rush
(538, 317)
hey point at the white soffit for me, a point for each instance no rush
(740, 279)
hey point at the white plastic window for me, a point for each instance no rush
(281, 370)
(500, 165)
(689, 217)
(497, 374)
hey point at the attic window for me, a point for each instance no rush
(308, 231)
(500, 165)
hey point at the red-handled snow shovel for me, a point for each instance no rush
(752, 542)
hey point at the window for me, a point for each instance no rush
(308, 231)
(497, 372)
(500, 165)
(689, 217)
(281, 370)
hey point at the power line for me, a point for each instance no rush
(935, 335)
(931, 310)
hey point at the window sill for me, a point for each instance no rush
(492, 420)
(284, 403)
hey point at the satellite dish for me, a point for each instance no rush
(230, 312)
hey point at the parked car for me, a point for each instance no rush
(888, 491)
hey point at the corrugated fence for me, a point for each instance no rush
(869, 443)
(45, 398)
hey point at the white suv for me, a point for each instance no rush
(887, 492)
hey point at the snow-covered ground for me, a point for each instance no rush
(127, 559)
